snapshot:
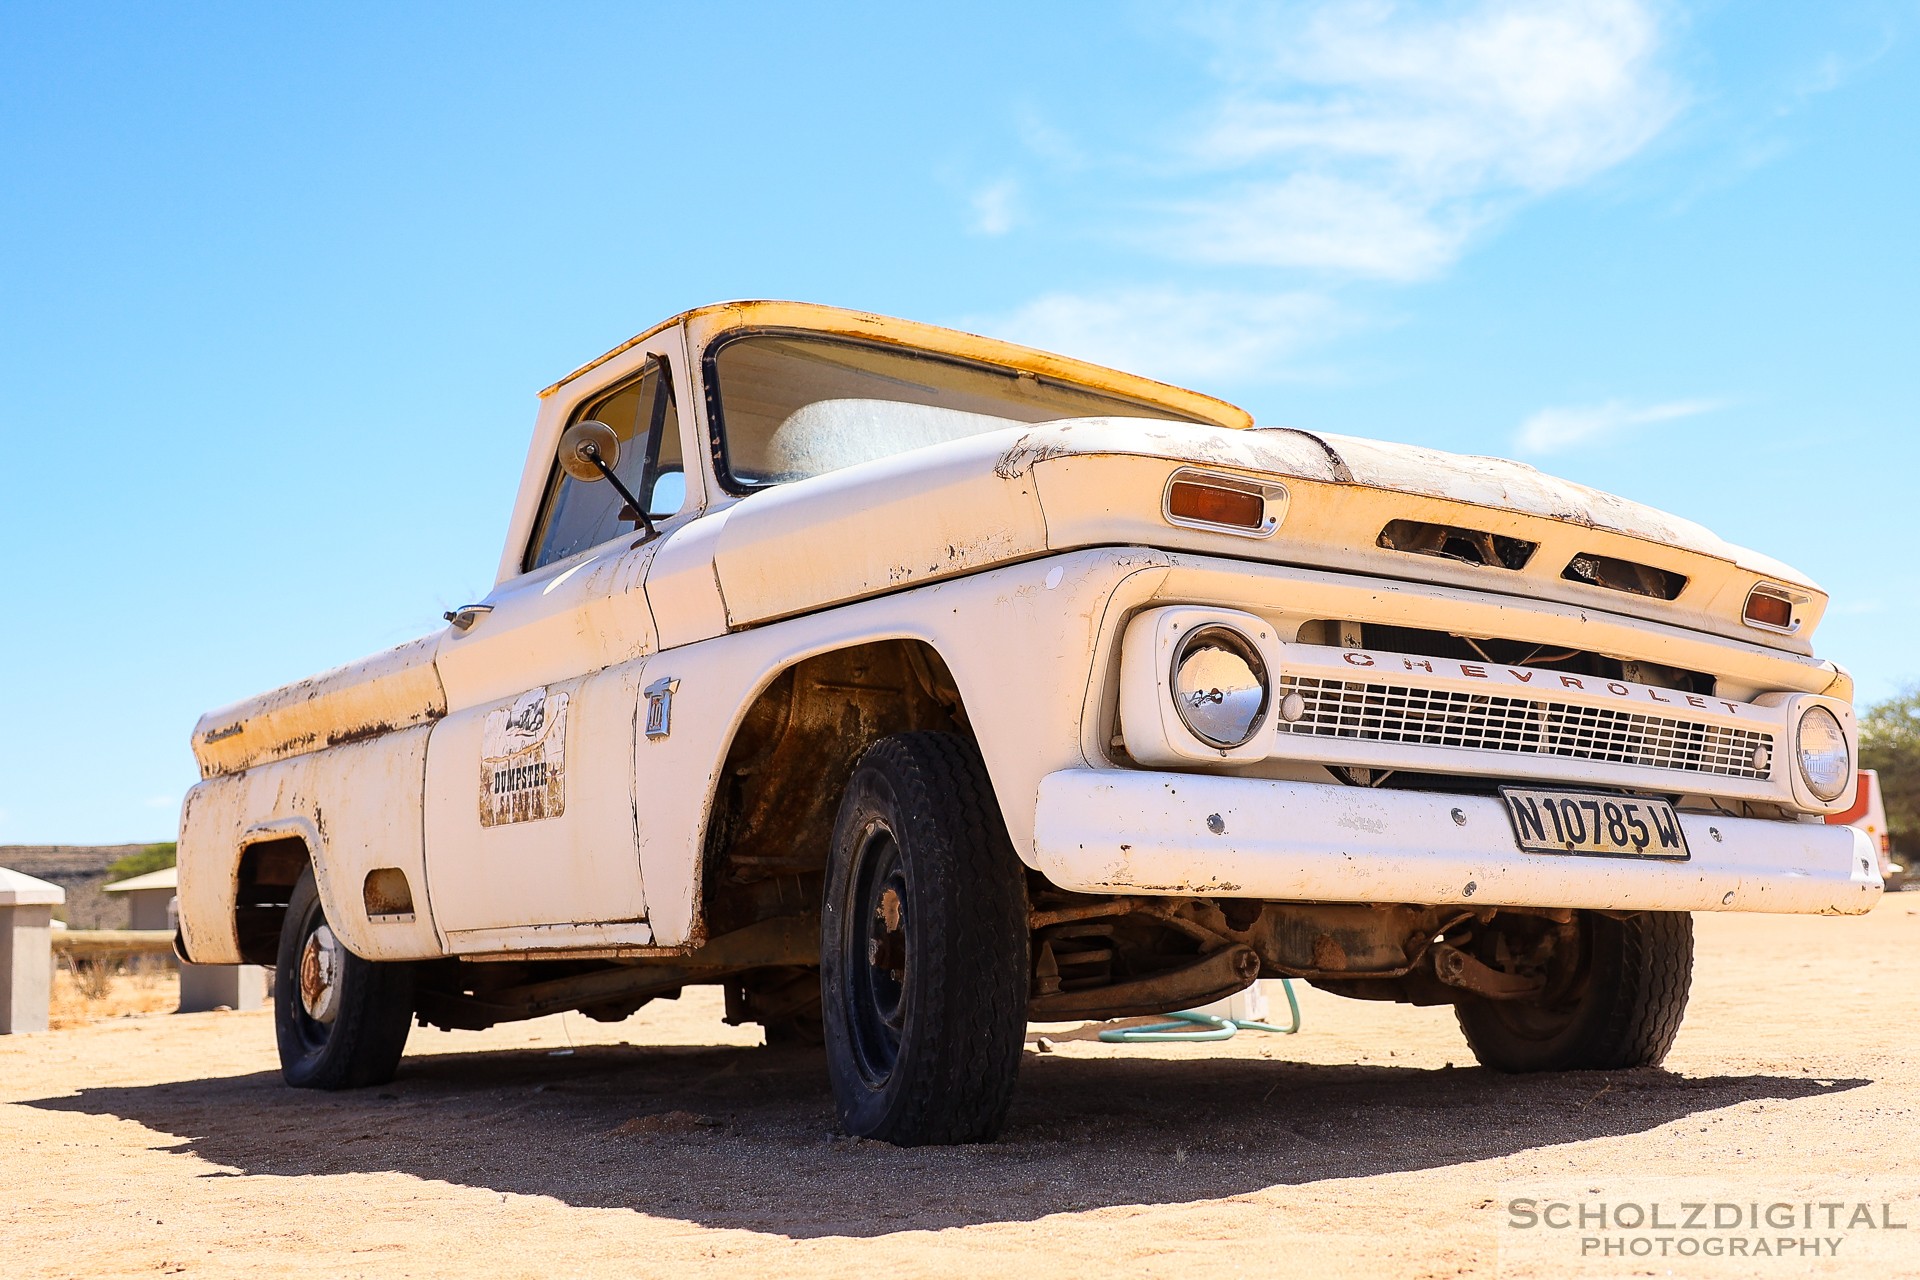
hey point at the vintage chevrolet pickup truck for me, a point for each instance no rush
(913, 685)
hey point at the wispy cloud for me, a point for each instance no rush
(996, 207)
(1339, 141)
(1047, 141)
(1320, 221)
(1179, 335)
(1558, 429)
(1828, 72)
(1833, 68)
(1759, 133)
(1376, 139)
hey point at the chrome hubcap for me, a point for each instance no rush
(320, 975)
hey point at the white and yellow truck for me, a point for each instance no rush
(912, 685)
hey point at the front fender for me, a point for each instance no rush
(1020, 642)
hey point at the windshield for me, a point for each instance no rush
(790, 407)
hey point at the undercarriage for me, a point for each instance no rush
(1090, 958)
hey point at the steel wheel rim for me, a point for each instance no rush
(875, 953)
(315, 984)
(320, 975)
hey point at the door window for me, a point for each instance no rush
(577, 514)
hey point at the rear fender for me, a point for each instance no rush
(356, 808)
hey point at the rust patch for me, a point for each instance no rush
(1328, 953)
(398, 689)
(340, 737)
(387, 893)
(1025, 454)
(779, 791)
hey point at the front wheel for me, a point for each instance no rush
(923, 948)
(1623, 1008)
(341, 1021)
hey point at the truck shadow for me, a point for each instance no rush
(743, 1138)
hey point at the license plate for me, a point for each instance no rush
(1584, 822)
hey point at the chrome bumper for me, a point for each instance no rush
(1115, 831)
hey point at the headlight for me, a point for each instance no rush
(1825, 762)
(1220, 686)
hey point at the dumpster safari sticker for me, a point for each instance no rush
(523, 760)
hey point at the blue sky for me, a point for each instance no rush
(280, 282)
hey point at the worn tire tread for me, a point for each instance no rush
(958, 1071)
(1644, 970)
(370, 1031)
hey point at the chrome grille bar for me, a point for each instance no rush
(1367, 711)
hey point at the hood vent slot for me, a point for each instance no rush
(1469, 546)
(1624, 575)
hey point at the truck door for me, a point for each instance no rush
(530, 798)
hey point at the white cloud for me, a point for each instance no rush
(1321, 221)
(1555, 430)
(1364, 139)
(1176, 335)
(1374, 138)
(995, 207)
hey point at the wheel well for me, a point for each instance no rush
(779, 790)
(268, 871)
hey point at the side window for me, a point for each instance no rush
(576, 515)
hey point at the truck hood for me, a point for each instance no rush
(1287, 453)
(1026, 490)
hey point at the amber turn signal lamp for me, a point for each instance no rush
(1211, 504)
(1767, 610)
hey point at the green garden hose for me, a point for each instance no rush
(1192, 1028)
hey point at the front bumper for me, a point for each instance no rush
(1115, 831)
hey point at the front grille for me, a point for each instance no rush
(1413, 716)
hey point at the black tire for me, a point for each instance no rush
(365, 1012)
(923, 947)
(1623, 1010)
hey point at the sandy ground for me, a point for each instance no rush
(1366, 1146)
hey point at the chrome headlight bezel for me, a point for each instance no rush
(1837, 749)
(1153, 729)
(1189, 703)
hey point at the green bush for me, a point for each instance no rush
(155, 857)
(1890, 745)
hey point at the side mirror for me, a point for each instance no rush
(589, 450)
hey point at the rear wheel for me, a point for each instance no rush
(341, 1021)
(1622, 1008)
(923, 947)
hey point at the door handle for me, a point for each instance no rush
(466, 615)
